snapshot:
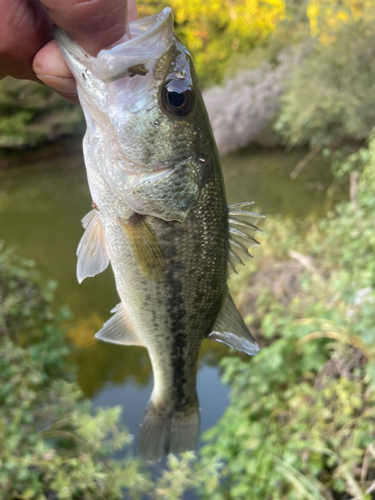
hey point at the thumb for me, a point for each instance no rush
(94, 24)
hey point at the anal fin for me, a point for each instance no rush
(118, 330)
(230, 329)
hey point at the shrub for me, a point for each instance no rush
(53, 444)
(301, 420)
(31, 113)
(330, 101)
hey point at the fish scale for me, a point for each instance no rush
(160, 218)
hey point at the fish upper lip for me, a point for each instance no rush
(162, 18)
(65, 40)
(104, 66)
(106, 57)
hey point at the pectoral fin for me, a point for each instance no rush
(146, 248)
(92, 251)
(230, 329)
(89, 217)
(117, 330)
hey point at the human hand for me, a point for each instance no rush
(28, 51)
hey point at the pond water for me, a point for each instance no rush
(41, 204)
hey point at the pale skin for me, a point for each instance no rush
(28, 51)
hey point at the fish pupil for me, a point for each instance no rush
(176, 99)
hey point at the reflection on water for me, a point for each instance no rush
(263, 176)
(41, 205)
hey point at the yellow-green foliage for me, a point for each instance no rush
(216, 31)
(327, 16)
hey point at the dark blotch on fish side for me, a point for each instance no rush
(177, 313)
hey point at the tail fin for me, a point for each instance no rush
(163, 433)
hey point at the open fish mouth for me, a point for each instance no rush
(149, 38)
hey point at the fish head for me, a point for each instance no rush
(148, 133)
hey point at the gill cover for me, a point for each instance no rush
(142, 104)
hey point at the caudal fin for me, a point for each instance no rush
(163, 433)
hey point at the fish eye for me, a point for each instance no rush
(177, 98)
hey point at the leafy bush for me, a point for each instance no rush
(31, 113)
(53, 445)
(330, 101)
(301, 420)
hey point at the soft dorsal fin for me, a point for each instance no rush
(242, 228)
(117, 330)
(92, 249)
(230, 329)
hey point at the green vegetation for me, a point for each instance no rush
(330, 102)
(31, 113)
(53, 444)
(216, 32)
(301, 421)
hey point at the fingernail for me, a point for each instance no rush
(64, 85)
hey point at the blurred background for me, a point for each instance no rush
(290, 89)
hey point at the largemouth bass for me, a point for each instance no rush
(160, 217)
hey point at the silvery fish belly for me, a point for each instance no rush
(159, 217)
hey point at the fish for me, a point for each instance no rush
(160, 218)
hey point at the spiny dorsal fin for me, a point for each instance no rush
(117, 330)
(92, 249)
(242, 228)
(230, 329)
(146, 248)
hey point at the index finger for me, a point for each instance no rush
(94, 24)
